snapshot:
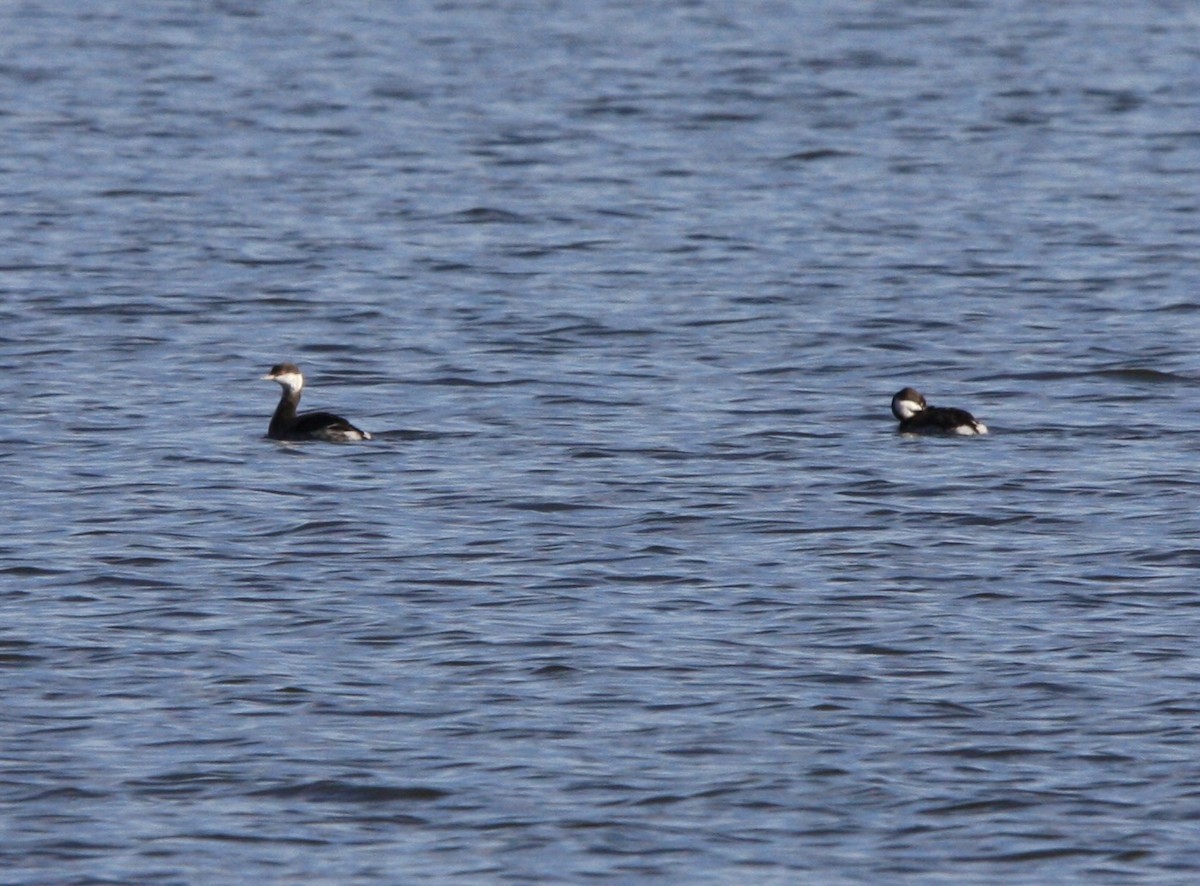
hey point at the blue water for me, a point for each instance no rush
(637, 582)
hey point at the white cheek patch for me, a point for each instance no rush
(908, 408)
(292, 379)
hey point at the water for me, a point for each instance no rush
(636, 583)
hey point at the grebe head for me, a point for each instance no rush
(288, 375)
(905, 404)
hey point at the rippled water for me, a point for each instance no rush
(636, 583)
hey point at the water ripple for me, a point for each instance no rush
(636, 580)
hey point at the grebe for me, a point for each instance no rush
(918, 417)
(286, 425)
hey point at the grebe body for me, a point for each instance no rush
(287, 425)
(918, 417)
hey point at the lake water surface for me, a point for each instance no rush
(636, 583)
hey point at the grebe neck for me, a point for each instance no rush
(285, 412)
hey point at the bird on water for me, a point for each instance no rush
(287, 425)
(918, 417)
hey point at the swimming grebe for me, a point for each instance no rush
(918, 417)
(286, 425)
